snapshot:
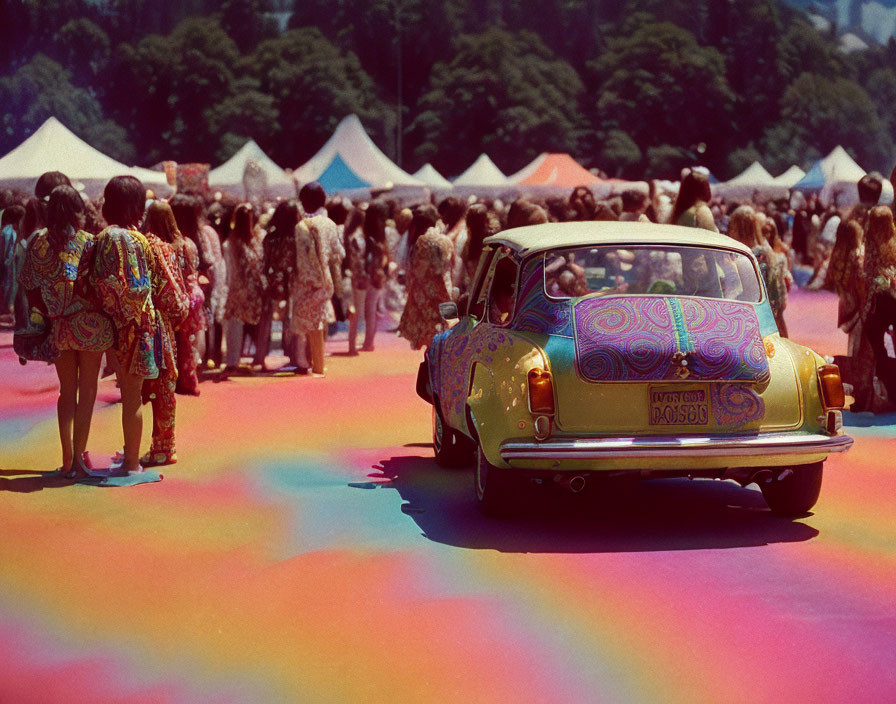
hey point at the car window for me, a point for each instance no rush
(611, 270)
(502, 291)
(476, 306)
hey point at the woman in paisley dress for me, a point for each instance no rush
(55, 279)
(122, 274)
(243, 259)
(845, 277)
(356, 277)
(377, 267)
(313, 288)
(429, 279)
(172, 303)
(279, 248)
(744, 227)
(190, 335)
(878, 310)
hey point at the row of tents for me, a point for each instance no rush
(350, 163)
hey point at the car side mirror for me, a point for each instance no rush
(449, 310)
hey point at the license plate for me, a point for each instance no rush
(679, 407)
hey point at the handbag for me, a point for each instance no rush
(32, 343)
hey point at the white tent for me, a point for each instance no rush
(791, 177)
(53, 147)
(753, 181)
(481, 172)
(350, 162)
(834, 178)
(431, 177)
(229, 175)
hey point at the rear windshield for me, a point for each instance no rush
(612, 270)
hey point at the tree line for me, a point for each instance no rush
(633, 87)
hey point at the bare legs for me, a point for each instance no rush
(131, 418)
(88, 375)
(78, 373)
(371, 308)
(316, 341)
(67, 371)
(359, 296)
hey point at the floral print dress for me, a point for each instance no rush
(122, 277)
(245, 279)
(60, 276)
(428, 284)
(313, 287)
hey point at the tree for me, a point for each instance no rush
(829, 112)
(619, 154)
(180, 93)
(42, 89)
(314, 85)
(503, 93)
(83, 47)
(660, 86)
(245, 23)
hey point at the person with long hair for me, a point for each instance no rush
(377, 267)
(692, 204)
(11, 255)
(355, 246)
(779, 265)
(123, 270)
(279, 266)
(745, 227)
(55, 278)
(172, 302)
(243, 258)
(879, 310)
(429, 278)
(191, 333)
(312, 307)
(846, 277)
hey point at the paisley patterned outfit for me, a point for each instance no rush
(428, 284)
(188, 333)
(216, 272)
(245, 278)
(313, 286)
(121, 274)
(171, 309)
(60, 276)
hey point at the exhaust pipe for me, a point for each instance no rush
(575, 484)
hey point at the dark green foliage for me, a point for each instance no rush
(506, 94)
(42, 89)
(630, 86)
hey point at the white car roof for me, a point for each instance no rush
(535, 238)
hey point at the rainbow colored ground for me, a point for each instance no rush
(307, 548)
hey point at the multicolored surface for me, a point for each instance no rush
(307, 548)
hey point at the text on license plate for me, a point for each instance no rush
(679, 407)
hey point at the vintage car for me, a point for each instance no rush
(599, 347)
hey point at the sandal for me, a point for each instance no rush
(156, 459)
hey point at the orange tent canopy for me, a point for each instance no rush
(559, 170)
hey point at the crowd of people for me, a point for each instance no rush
(168, 291)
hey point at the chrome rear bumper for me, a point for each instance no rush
(656, 447)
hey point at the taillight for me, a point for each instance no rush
(541, 391)
(831, 387)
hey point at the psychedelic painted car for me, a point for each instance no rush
(627, 348)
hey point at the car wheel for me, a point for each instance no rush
(451, 448)
(494, 486)
(795, 494)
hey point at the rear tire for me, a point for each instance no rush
(451, 448)
(494, 487)
(794, 495)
